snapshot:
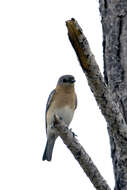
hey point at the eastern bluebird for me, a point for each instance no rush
(62, 101)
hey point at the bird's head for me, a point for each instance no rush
(66, 80)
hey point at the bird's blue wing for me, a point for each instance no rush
(48, 104)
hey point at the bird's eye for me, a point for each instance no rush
(64, 80)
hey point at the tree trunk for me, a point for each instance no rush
(110, 92)
(114, 26)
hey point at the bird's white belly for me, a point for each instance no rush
(66, 114)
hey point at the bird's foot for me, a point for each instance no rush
(52, 126)
(74, 135)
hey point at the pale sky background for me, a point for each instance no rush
(34, 53)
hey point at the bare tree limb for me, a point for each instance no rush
(80, 155)
(109, 108)
(114, 28)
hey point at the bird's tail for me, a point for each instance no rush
(49, 149)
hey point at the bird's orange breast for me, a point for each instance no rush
(65, 96)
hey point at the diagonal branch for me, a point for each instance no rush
(110, 109)
(103, 96)
(80, 155)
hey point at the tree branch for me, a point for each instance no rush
(103, 96)
(80, 155)
(106, 100)
(114, 28)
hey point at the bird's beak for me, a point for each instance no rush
(73, 80)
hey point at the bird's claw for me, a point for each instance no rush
(74, 135)
(52, 126)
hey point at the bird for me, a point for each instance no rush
(62, 102)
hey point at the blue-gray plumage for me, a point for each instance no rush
(62, 101)
(48, 104)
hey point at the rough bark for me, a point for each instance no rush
(103, 96)
(80, 155)
(114, 25)
(106, 99)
